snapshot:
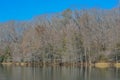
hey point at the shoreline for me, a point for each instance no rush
(97, 65)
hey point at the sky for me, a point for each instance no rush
(27, 9)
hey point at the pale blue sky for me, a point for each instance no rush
(26, 9)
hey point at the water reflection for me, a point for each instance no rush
(58, 73)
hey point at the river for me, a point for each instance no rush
(58, 73)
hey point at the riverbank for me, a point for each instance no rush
(97, 65)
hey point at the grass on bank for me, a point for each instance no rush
(117, 65)
(102, 65)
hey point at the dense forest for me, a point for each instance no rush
(88, 35)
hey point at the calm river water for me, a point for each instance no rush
(57, 73)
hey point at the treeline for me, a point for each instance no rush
(71, 36)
